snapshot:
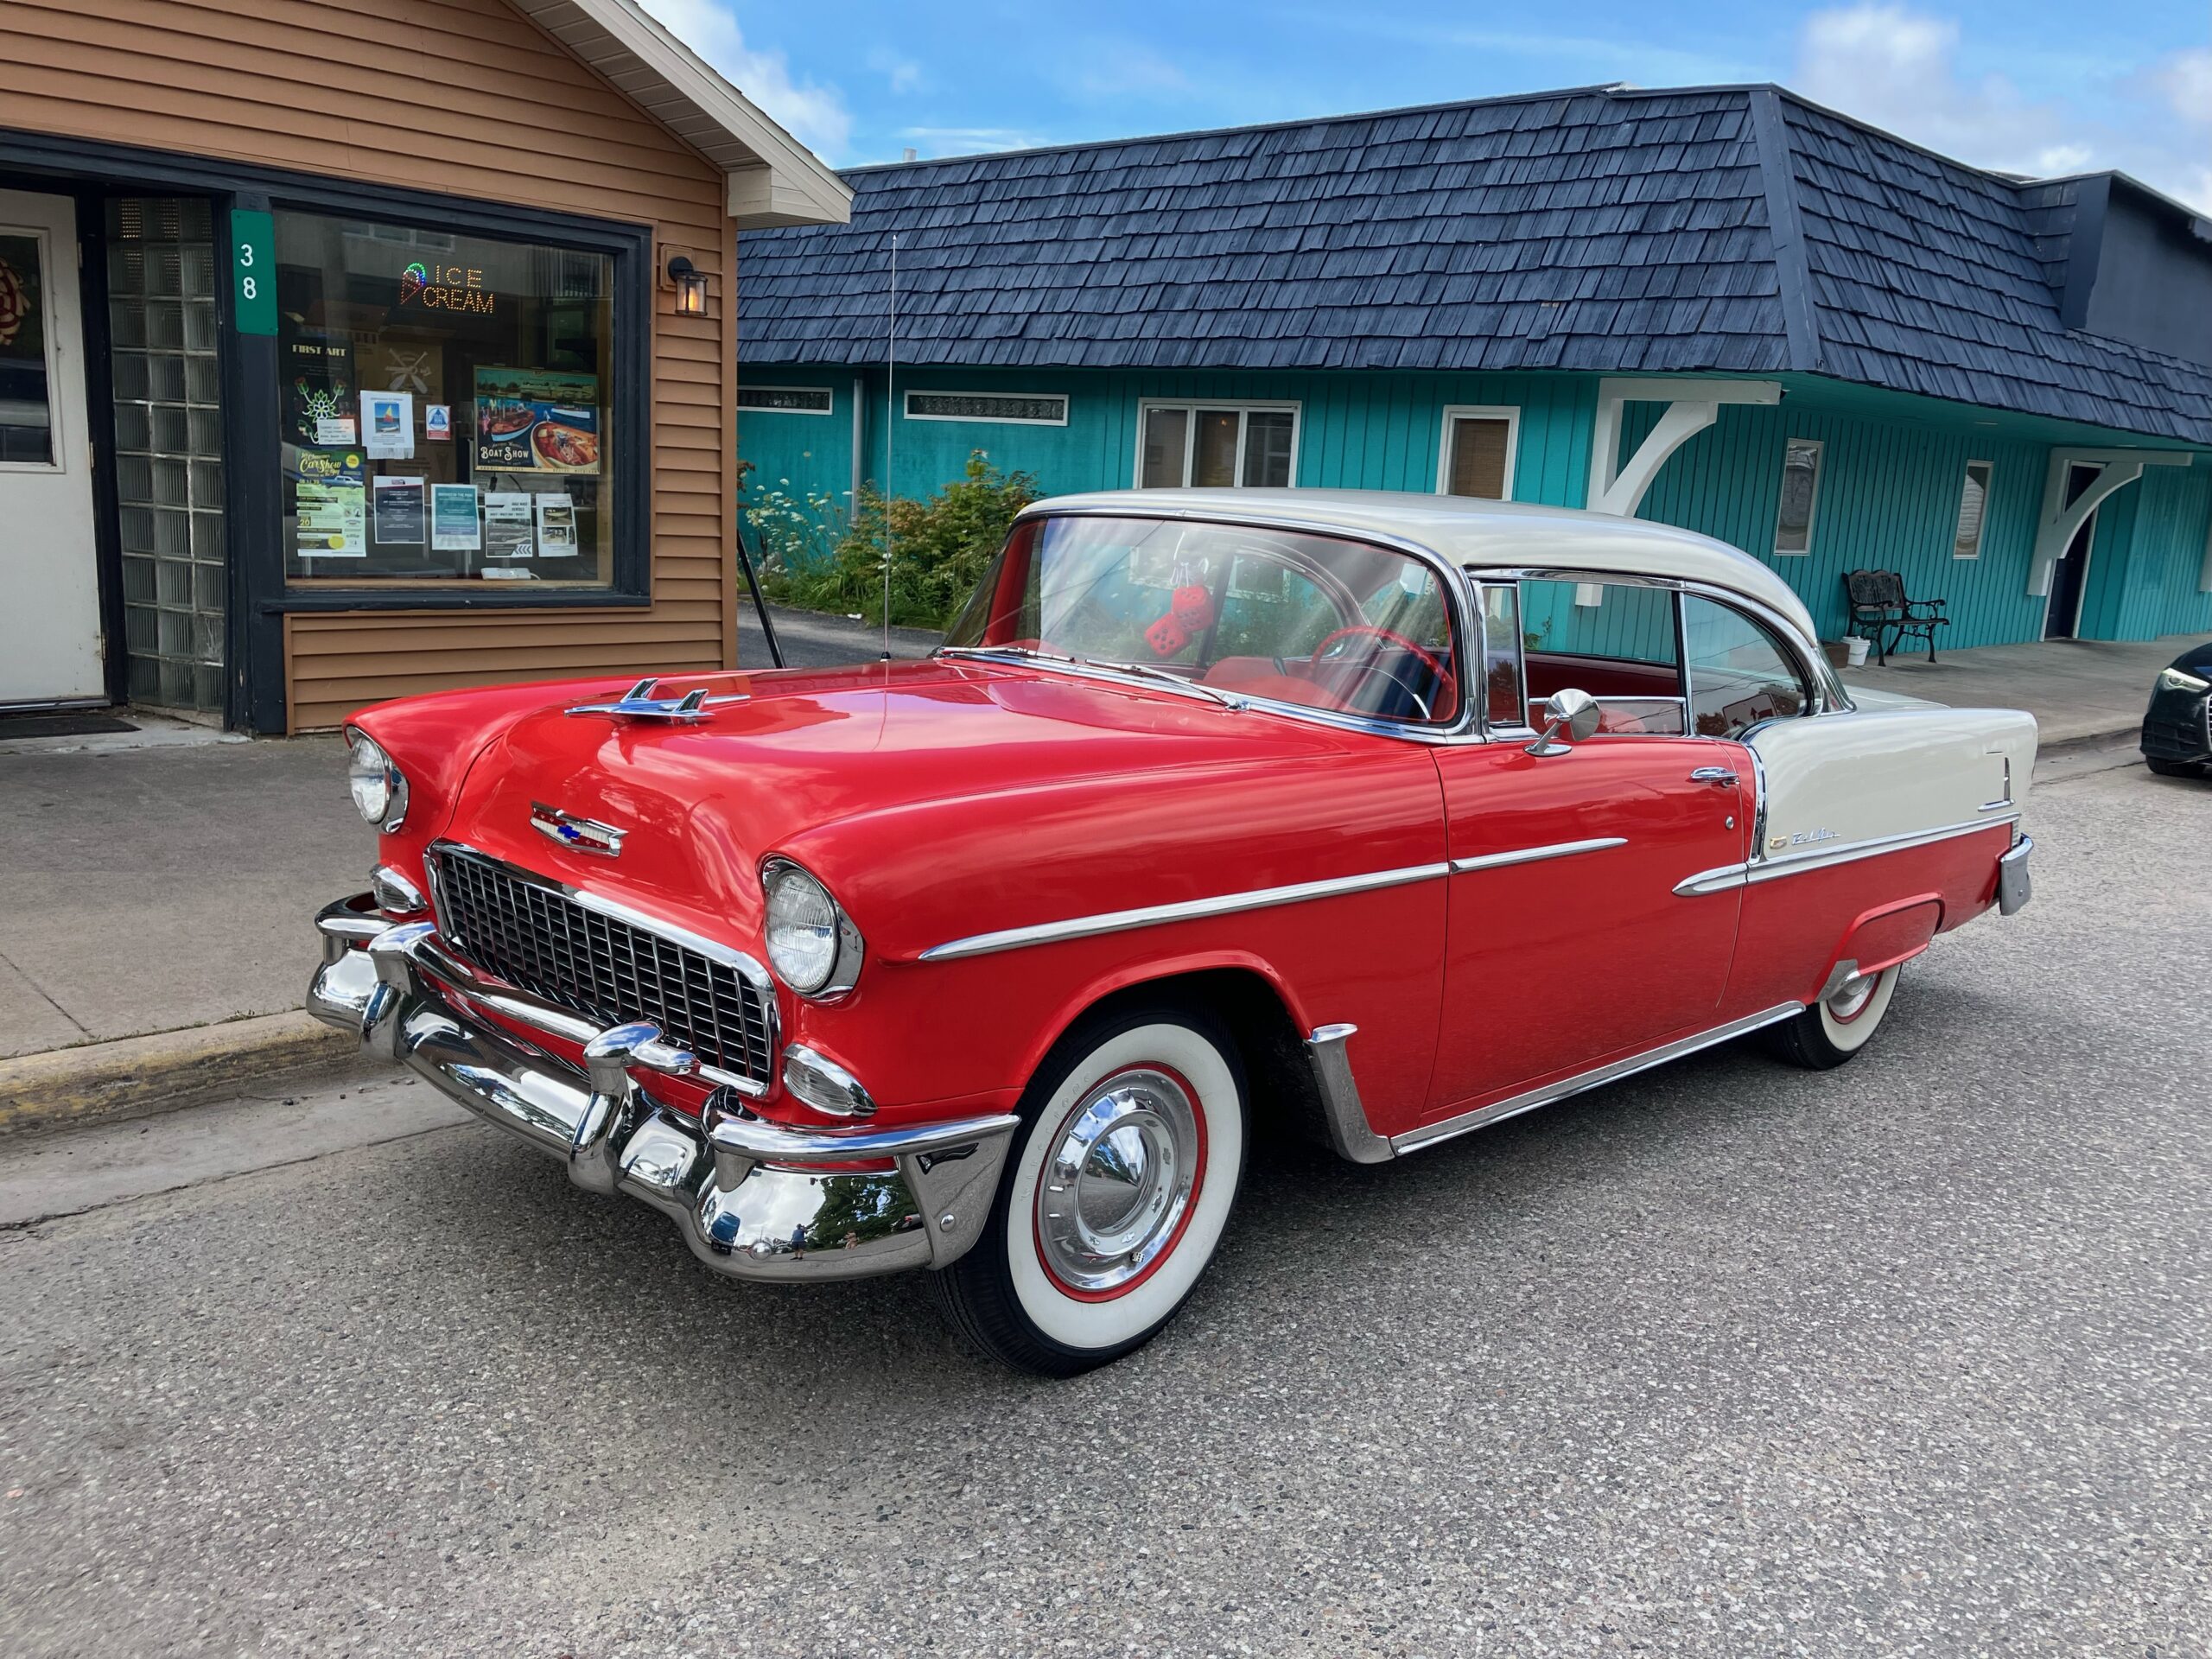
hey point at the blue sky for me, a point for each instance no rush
(2029, 85)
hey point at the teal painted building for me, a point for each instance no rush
(1723, 309)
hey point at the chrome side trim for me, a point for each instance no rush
(1730, 875)
(1350, 1133)
(1120, 921)
(1429, 1133)
(1534, 854)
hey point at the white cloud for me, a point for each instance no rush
(902, 75)
(967, 141)
(814, 114)
(1896, 68)
(1124, 69)
(1899, 68)
(2186, 80)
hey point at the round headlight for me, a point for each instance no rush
(811, 946)
(379, 793)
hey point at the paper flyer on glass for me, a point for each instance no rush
(332, 498)
(537, 421)
(396, 515)
(509, 529)
(453, 526)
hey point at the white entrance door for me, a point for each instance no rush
(49, 575)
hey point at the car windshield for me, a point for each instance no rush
(1315, 621)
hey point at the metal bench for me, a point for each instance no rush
(1879, 603)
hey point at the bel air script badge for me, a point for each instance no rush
(585, 834)
(1802, 838)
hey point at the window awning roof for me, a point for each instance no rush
(773, 179)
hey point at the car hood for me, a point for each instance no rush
(785, 761)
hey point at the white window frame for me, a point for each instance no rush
(906, 407)
(1242, 406)
(1510, 414)
(830, 392)
(1820, 448)
(1981, 528)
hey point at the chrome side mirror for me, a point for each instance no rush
(1575, 713)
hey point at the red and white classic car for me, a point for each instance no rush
(1219, 814)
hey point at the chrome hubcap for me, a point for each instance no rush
(1118, 1180)
(1847, 1003)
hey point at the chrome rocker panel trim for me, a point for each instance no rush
(748, 1195)
(1354, 1140)
(1429, 1133)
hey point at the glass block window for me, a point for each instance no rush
(1021, 409)
(168, 448)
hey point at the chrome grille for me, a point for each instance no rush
(539, 938)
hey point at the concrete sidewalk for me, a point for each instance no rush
(2079, 690)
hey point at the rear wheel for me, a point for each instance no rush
(1830, 1032)
(1119, 1186)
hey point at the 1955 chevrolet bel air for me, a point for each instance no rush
(1220, 813)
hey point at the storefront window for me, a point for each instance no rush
(445, 404)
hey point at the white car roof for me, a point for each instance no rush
(1469, 531)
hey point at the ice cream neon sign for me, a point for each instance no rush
(445, 288)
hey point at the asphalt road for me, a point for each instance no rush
(1908, 1359)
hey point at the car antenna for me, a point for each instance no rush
(890, 430)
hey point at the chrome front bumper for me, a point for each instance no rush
(753, 1199)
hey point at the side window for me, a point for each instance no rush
(1503, 703)
(1739, 673)
(1615, 640)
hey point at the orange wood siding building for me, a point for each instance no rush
(570, 110)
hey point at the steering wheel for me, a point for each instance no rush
(1445, 680)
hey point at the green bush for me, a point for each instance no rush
(816, 557)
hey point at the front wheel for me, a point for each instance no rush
(1120, 1184)
(1830, 1032)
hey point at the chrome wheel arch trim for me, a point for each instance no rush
(1122, 921)
(1725, 876)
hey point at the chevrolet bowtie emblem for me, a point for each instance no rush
(585, 834)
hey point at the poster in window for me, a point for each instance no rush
(509, 528)
(388, 425)
(403, 361)
(398, 518)
(556, 527)
(332, 499)
(537, 421)
(453, 526)
(318, 387)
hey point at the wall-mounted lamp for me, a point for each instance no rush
(690, 287)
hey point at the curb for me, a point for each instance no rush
(136, 1075)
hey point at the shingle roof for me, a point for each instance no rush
(1597, 229)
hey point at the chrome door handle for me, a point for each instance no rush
(1713, 775)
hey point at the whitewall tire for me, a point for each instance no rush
(1833, 1029)
(1117, 1192)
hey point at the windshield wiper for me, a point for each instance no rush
(1029, 653)
(1153, 672)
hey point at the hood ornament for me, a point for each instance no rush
(585, 834)
(639, 703)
